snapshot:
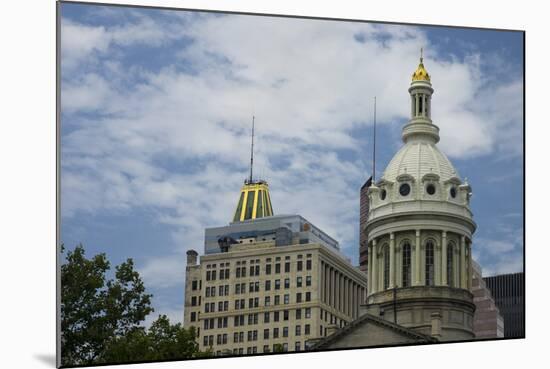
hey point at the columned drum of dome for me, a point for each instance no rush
(421, 207)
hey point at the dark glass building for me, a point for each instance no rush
(363, 217)
(509, 295)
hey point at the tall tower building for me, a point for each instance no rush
(268, 283)
(363, 217)
(419, 231)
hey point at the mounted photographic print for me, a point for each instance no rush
(241, 184)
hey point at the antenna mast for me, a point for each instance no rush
(252, 151)
(374, 145)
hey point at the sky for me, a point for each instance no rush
(156, 111)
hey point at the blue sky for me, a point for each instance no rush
(156, 113)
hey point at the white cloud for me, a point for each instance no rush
(308, 82)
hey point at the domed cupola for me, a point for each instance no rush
(420, 177)
(419, 230)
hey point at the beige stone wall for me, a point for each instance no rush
(321, 313)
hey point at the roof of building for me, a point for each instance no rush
(418, 158)
(369, 318)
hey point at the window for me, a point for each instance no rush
(287, 267)
(297, 346)
(268, 269)
(308, 280)
(211, 340)
(206, 308)
(275, 316)
(308, 313)
(287, 282)
(257, 270)
(453, 192)
(256, 302)
(404, 189)
(266, 334)
(205, 341)
(249, 204)
(298, 281)
(220, 290)
(251, 287)
(277, 268)
(257, 286)
(219, 339)
(193, 316)
(225, 305)
(307, 329)
(243, 272)
(241, 339)
(275, 332)
(308, 296)
(383, 195)
(267, 285)
(429, 263)
(213, 275)
(450, 273)
(224, 338)
(267, 301)
(308, 264)
(406, 262)
(238, 273)
(251, 270)
(194, 285)
(285, 314)
(386, 267)
(254, 335)
(285, 347)
(194, 301)
(220, 306)
(266, 317)
(235, 337)
(286, 299)
(298, 313)
(227, 274)
(299, 297)
(285, 331)
(277, 300)
(299, 265)
(277, 284)
(266, 348)
(430, 189)
(249, 336)
(298, 330)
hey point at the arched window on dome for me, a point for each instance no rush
(429, 263)
(450, 271)
(406, 264)
(386, 251)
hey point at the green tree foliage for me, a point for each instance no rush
(101, 320)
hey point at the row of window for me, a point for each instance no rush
(254, 270)
(240, 288)
(429, 270)
(256, 261)
(278, 347)
(253, 319)
(405, 189)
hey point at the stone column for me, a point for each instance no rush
(369, 270)
(463, 262)
(417, 261)
(437, 266)
(374, 285)
(392, 261)
(444, 281)
(469, 274)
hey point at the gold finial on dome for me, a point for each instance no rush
(421, 74)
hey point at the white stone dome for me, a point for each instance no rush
(417, 159)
